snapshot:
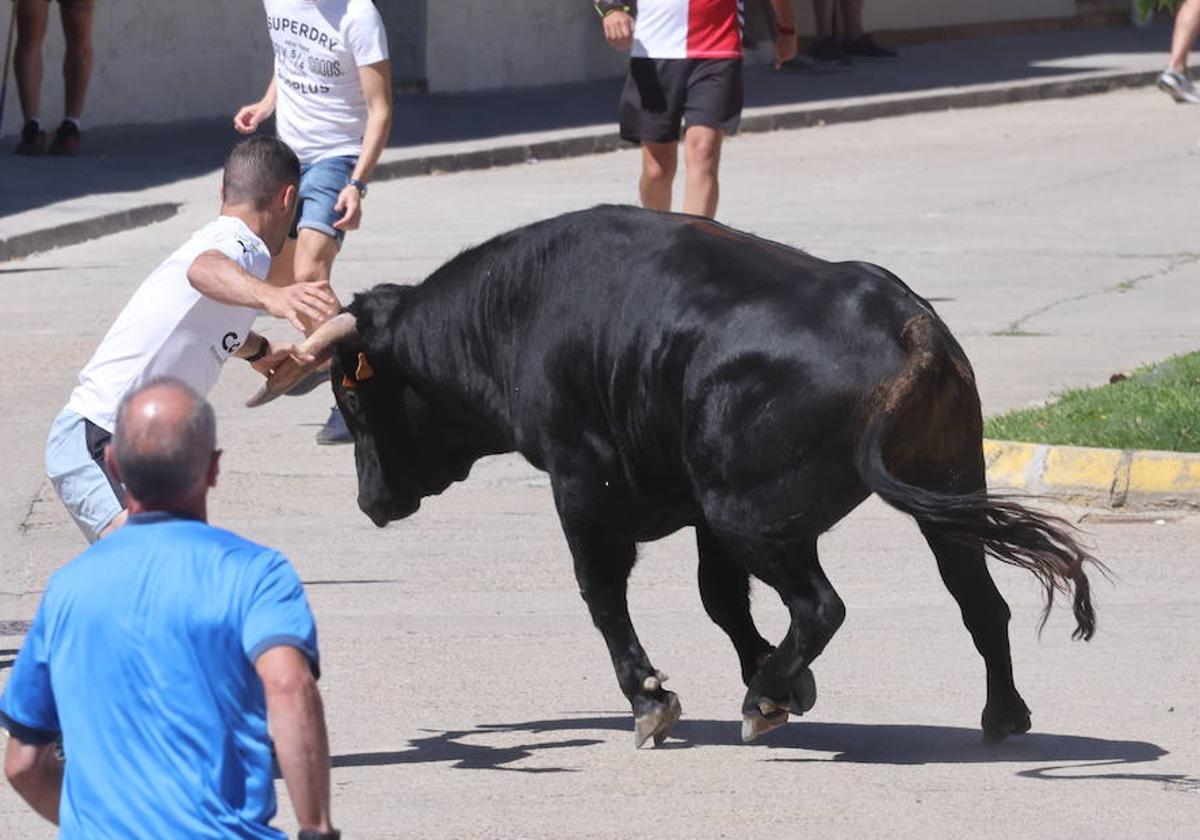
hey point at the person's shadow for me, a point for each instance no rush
(856, 743)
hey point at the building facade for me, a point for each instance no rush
(164, 62)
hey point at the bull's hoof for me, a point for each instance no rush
(804, 692)
(658, 721)
(1000, 722)
(760, 717)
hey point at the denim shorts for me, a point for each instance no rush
(75, 466)
(320, 185)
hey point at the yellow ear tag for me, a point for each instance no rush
(364, 371)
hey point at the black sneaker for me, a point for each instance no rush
(33, 140)
(66, 140)
(335, 430)
(828, 51)
(865, 46)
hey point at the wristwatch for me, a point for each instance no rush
(362, 186)
(261, 352)
(309, 834)
(607, 7)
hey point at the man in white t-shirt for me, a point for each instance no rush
(331, 94)
(191, 314)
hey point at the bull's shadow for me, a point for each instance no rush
(856, 743)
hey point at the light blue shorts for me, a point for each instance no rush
(75, 466)
(320, 185)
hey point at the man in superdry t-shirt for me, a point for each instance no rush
(331, 94)
(686, 69)
(191, 314)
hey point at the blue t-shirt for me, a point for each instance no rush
(142, 655)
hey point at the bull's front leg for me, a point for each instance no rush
(604, 556)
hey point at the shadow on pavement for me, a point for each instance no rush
(135, 158)
(856, 743)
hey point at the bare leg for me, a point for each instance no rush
(77, 64)
(849, 19)
(823, 12)
(659, 161)
(1183, 37)
(702, 147)
(312, 262)
(31, 33)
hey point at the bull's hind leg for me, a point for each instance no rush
(725, 591)
(985, 614)
(784, 683)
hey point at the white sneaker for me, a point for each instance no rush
(1179, 87)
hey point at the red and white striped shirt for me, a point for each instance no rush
(688, 29)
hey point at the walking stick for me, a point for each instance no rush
(12, 30)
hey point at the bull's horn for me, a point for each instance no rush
(319, 345)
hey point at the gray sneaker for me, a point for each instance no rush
(1179, 87)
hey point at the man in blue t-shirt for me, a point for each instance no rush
(161, 653)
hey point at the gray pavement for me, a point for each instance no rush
(129, 176)
(467, 692)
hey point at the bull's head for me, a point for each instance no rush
(404, 447)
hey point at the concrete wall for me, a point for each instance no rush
(480, 44)
(162, 62)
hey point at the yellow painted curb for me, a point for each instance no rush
(1109, 477)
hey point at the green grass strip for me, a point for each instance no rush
(1158, 407)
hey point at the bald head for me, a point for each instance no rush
(163, 444)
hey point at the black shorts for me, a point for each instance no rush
(661, 93)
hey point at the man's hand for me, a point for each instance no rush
(618, 30)
(349, 204)
(249, 118)
(785, 49)
(280, 353)
(312, 300)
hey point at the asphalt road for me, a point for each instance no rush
(467, 693)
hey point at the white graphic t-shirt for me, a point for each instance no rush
(319, 45)
(170, 329)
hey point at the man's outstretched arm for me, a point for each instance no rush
(36, 774)
(216, 276)
(297, 721)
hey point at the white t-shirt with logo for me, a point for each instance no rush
(170, 329)
(319, 45)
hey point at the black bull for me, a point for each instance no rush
(669, 371)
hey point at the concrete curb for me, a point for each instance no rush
(72, 233)
(772, 119)
(1113, 478)
(606, 140)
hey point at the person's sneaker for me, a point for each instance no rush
(828, 51)
(66, 140)
(802, 64)
(335, 430)
(33, 140)
(1179, 87)
(864, 46)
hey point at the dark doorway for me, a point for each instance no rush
(405, 21)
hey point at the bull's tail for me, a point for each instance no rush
(1011, 532)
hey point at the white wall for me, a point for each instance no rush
(161, 61)
(479, 44)
(167, 61)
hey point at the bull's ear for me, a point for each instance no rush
(364, 371)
